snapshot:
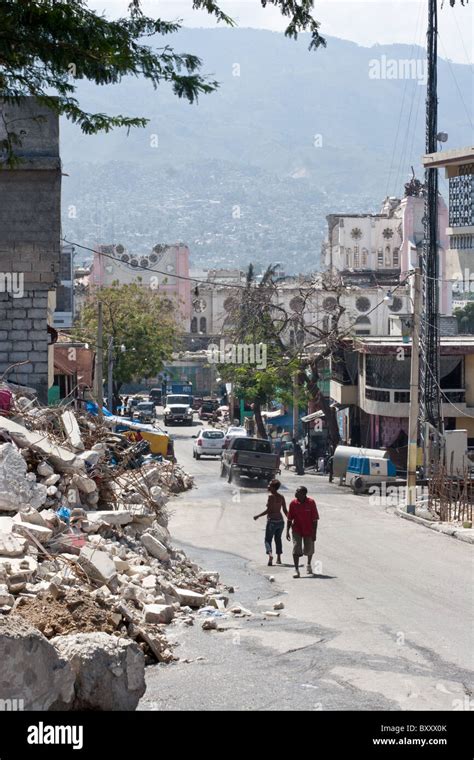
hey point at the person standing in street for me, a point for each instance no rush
(276, 504)
(303, 519)
(298, 457)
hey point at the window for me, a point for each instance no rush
(396, 257)
(380, 257)
(203, 325)
(365, 257)
(388, 257)
(341, 222)
(348, 257)
(374, 395)
(194, 325)
(356, 257)
(63, 298)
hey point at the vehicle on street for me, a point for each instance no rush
(178, 409)
(145, 412)
(155, 395)
(234, 431)
(207, 409)
(252, 457)
(197, 402)
(132, 403)
(363, 472)
(208, 443)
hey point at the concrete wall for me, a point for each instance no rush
(29, 241)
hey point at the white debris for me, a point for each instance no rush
(154, 547)
(16, 488)
(158, 613)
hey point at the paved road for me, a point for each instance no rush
(385, 623)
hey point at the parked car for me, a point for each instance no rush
(234, 432)
(252, 457)
(208, 443)
(145, 412)
(207, 410)
(197, 402)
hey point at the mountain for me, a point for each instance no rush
(250, 172)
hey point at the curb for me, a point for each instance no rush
(462, 534)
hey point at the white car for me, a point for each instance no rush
(208, 443)
(234, 432)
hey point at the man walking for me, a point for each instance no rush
(303, 519)
(298, 457)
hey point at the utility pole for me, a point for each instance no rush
(295, 407)
(430, 397)
(414, 389)
(110, 378)
(99, 371)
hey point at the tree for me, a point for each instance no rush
(254, 319)
(46, 45)
(142, 324)
(465, 318)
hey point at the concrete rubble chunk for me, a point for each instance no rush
(109, 671)
(97, 564)
(32, 670)
(210, 624)
(51, 480)
(16, 488)
(6, 599)
(111, 516)
(158, 613)
(188, 598)
(61, 458)
(45, 470)
(29, 515)
(84, 484)
(21, 567)
(155, 547)
(71, 429)
(11, 545)
(28, 529)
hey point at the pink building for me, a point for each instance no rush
(163, 270)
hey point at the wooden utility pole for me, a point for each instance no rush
(414, 391)
(99, 372)
(110, 376)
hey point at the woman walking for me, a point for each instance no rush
(275, 506)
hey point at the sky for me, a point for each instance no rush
(367, 23)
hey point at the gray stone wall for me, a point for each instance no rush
(30, 228)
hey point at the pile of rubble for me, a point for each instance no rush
(86, 563)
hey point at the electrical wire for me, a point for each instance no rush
(456, 82)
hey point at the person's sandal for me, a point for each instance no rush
(278, 562)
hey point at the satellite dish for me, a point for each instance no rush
(119, 249)
(125, 257)
(134, 263)
(144, 262)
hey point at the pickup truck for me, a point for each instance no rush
(252, 457)
(178, 408)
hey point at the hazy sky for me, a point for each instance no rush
(367, 22)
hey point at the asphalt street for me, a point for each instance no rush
(384, 623)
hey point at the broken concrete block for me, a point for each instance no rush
(52, 490)
(11, 545)
(109, 671)
(112, 516)
(32, 670)
(278, 606)
(30, 515)
(97, 564)
(44, 470)
(121, 565)
(6, 524)
(154, 547)
(71, 429)
(158, 613)
(188, 598)
(92, 499)
(149, 582)
(28, 529)
(210, 624)
(84, 484)
(22, 568)
(51, 480)
(6, 599)
(62, 459)
(16, 488)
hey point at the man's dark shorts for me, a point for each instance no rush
(302, 545)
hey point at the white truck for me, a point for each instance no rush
(178, 409)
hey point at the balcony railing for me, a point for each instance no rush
(388, 395)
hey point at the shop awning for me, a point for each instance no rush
(313, 416)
